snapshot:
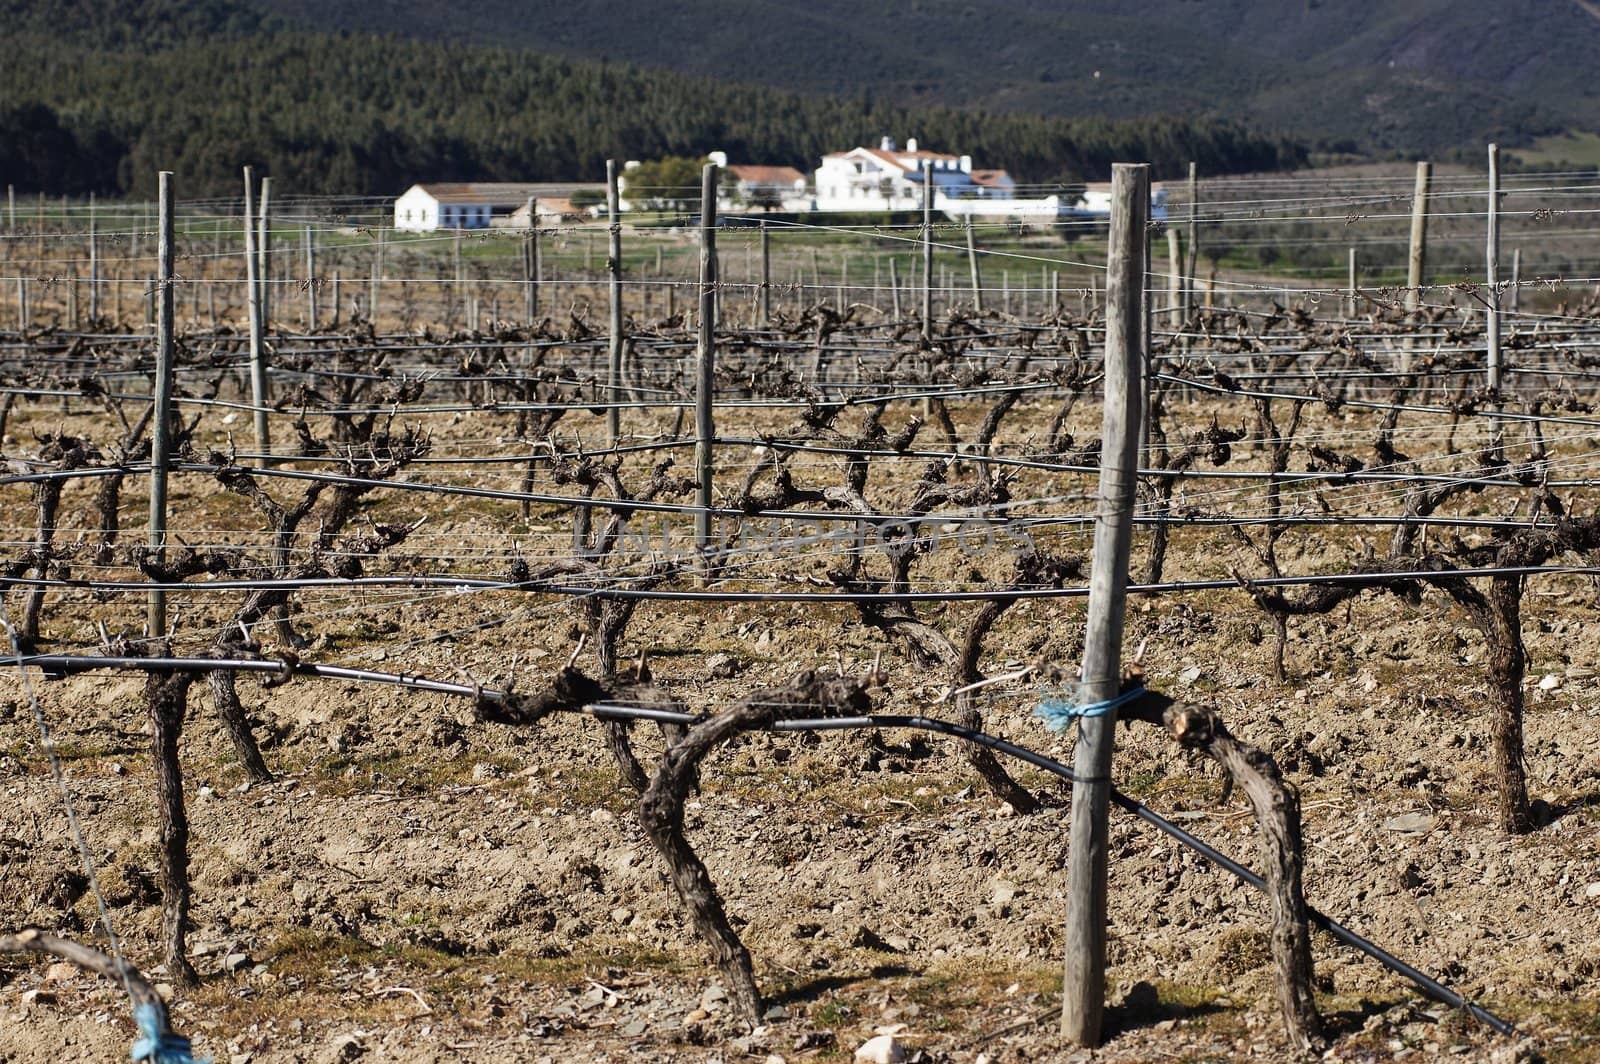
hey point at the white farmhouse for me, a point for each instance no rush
(472, 204)
(754, 187)
(886, 178)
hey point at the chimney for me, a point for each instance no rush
(966, 163)
(911, 144)
(720, 158)
(886, 144)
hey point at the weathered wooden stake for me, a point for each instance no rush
(927, 252)
(894, 288)
(259, 394)
(1516, 280)
(1083, 988)
(766, 274)
(311, 280)
(375, 289)
(458, 292)
(977, 275)
(614, 270)
(1492, 302)
(530, 264)
(161, 419)
(1417, 259)
(1176, 313)
(1352, 306)
(264, 254)
(706, 370)
(1194, 247)
(94, 263)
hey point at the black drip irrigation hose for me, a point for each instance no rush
(58, 665)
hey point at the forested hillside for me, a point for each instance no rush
(101, 96)
(1374, 75)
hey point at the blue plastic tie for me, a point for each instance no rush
(1059, 714)
(157, 1043)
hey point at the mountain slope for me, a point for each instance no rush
(99, 96)
(1418, 75)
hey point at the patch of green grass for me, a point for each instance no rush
(1575, 147)
(580, 787)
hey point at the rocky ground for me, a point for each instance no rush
(419, 886)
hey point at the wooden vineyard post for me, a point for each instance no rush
(1516, 280)
(894, 289)
(614, 270)
(377, 280)
(927, 253)
(977, 274)
(706, 368)
(311, 280)
(264, 253)
(458, 291)
(1350, 307)
(1492, 296)
(1417, 260)
(161, 419)
(1176, 306)
(1193, 262)
(531, 264)
(766, 274)
(252, 295)
(94, 263)
(1083, 986)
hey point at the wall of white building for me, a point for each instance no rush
(415, 210)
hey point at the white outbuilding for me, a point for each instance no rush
(472, 204)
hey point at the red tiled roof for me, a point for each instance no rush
(767, 175)
(496, 193)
